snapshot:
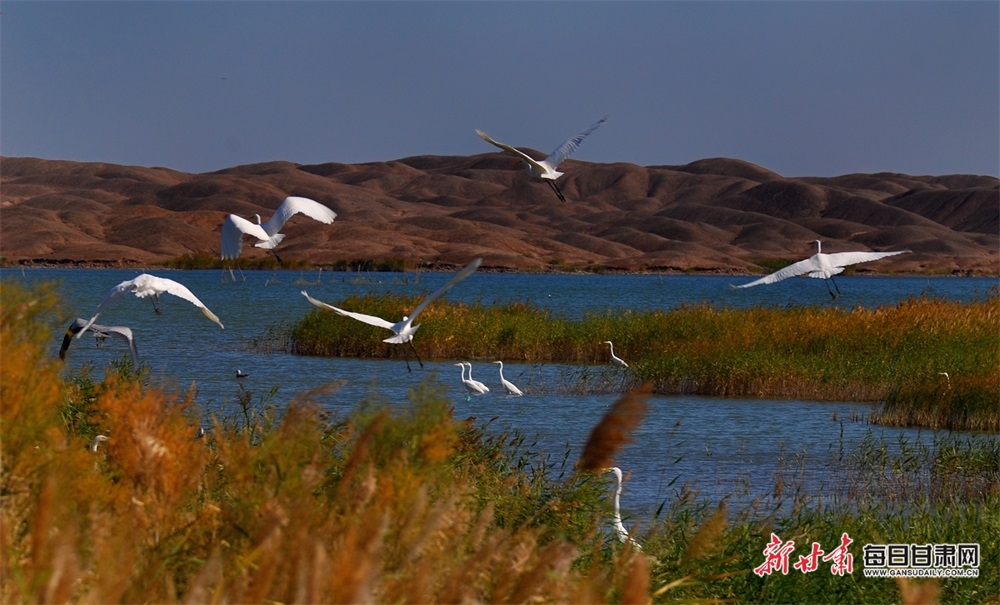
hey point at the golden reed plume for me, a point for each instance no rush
(613, 430)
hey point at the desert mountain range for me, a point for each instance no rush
(712, 215)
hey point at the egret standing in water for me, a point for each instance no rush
(403, 329)
(100, 333)
(619, 527)
(823, 266)
(473, 387)
(482, 386)
(508, 385)
(152, 286)
(267, 234)
(545, 170)
(614, 358)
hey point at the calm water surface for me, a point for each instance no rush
(722, 446)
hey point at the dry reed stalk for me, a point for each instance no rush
(636, 586)
(613, 430)
(709, 537)
(918, 593)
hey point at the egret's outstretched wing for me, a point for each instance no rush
(368, 319)
(74, 328)
(524, 157)
(77, 327)
(113, 295)
(150, 284)
(803, 266)
(843, 259)
(563, 151)
(233, 229)
(297, 205)
(466, 272)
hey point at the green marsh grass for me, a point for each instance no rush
(401, 502)
(892, 354)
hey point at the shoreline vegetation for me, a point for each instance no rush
(402, 502)
(401, 265)
(926, 361)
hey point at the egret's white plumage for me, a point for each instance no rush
(100, 332)
(823, 266)
(474, 387)
(149, 285)
(403, 329)
(97, 442)
(619, 527)
(614, 358)
(267, 234)
(482, 386)
(546, 169)
(508, 385)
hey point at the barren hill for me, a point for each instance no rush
(713, 215)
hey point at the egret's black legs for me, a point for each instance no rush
(832, 294)
(275, 253)
(415, 354)
(555, 188)
(156, 303)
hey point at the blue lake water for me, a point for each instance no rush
(721, 446)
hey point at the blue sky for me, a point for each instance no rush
(802, 88)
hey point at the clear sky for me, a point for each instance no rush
(802, 88)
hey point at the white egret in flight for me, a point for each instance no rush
(149, 285)
(546, 169)
(508, 385)
(474, 387)
(403, 329)
(481, 385)
(614, 358)
(100, 333)
(619, 527)
(823, 266)
(267, 233)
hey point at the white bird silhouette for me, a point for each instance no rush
(403, 329)
(482, 386)
(508, 385)
(823, 266)
(614, 358)
(149, 285)
(546, 169)
(97, 441)
(100, 333)
(474, 387)
(623, 535)
(267, 233)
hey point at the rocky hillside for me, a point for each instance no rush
(713, 215)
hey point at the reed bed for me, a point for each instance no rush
(401, 502)
(894, 354)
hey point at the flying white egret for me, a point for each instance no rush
(823, 266)
(149, 285)
(482, 386)
(403, 329)
(508, 385)
(623, 535)
(546, 169)
(474, 387)
(100, 333)
(614, 358)
(267, 233)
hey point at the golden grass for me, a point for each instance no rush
(385, 507)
